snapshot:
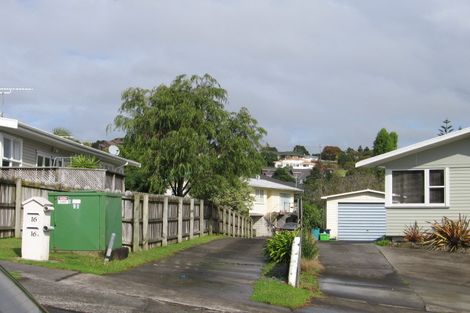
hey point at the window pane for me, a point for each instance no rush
(5, 163)
(6, 148)
(436, 195)
(408, 186)
(436, 178)
(47, 162)
(40, 161)
(16, 150)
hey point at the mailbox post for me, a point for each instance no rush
(36, 229)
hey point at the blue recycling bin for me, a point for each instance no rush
(316, 233)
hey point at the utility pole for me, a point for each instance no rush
(8, 90)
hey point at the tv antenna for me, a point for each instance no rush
(8, 90)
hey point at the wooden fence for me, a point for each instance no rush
(147, 220)
(158, 220)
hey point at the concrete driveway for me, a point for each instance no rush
(358, 278)
(215, 277)
(441, 279)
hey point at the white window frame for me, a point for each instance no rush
(259, 195)
(44, 155)
(389, 189)
(282, 203)
(11, 138)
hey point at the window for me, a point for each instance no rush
(259, 195)
(43, 160)
(12, 150)
(284, 201)
(419, 187)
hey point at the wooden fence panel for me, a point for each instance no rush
(145, 223)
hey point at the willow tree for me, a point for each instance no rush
(186, 140)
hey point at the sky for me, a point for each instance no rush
(312, 73)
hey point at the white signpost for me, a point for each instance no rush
(36, 229)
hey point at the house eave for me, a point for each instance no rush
(381, 160)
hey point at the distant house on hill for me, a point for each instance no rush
(42, 157)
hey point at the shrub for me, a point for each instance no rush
(449, 235)
(414, 233)
(278, 248)
(309, 246)
(383, 242)
(84, 161)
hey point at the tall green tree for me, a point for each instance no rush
(300, 150)
(186, 140)
(330, 153)
(385, 142)
(269, 155)
(445, 128)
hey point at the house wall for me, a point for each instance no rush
(260, 211)
(31, 148)
(454, 156)
(332, 208)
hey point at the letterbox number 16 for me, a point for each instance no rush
(34, 219)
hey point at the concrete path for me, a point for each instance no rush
(441, 279)
(358, 278)
(216, 277)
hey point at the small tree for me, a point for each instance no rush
(330, 153)
(300, 150)
(385, 141)
(282, 173)
(445, 128)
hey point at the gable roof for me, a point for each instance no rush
(414, 148)
(379, 193)
(60, 142)
(271, 184)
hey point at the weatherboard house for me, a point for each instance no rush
(34, 155)
(275, 203)
(426, 181)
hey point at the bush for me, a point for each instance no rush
(309, 246)
(278, 248)
(313, 216)
(383, 242)
(414, 233)
(449, 235)
(84, 161)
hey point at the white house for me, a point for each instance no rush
(426, 181)
(296, 162)
(274, 201)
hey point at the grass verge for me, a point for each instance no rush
(271, 288)
(10, 250)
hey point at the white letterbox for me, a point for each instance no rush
(36, 229)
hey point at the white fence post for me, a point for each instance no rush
(294, 266)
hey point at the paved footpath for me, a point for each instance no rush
(215, 277)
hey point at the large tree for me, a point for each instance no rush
(269, 154)
(186, 140)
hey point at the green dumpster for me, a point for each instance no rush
(85, 220)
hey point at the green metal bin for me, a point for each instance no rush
(85, 220)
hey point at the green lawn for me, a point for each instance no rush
(10, 250)
(272, 289)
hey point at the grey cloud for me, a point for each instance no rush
(311, 72)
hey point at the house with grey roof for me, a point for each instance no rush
(274, 203)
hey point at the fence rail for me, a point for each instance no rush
(148, 220)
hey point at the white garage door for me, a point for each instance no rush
(361, 221)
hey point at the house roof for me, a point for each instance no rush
(271, 183)
(381, 193)
(60, 142)
(414, 148)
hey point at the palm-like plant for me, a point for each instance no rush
(450, 235)
(414, 233)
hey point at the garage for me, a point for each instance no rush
(356, 216)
